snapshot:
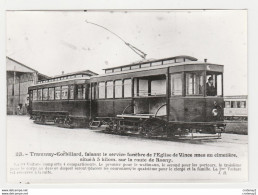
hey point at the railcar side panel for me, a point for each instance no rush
(194, 109)
(149, 105)
(210, 105)
(112, 107)
(176, 109)
(75, 108)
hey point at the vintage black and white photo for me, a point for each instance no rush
(127, 96)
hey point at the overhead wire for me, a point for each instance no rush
(136, 50)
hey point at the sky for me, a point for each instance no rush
(56, 41)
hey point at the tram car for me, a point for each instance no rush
(236, 108)
(63, 100)
(169, 97)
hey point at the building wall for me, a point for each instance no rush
(17, 91)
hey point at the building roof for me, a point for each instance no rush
(86, 72)
(13, 65)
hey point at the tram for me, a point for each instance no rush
(169, 97)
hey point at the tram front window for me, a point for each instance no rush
(213, 84)
(194, 83)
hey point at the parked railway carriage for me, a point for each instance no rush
(236, 108)
(166, 97)
(63, 100)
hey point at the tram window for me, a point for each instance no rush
(168, 62)
(102, 90)
(242, 104)
(30, 95)
(127, 88)
(45, 94)
(143, 87)
(219, 85)
(233, 104)
(80, 92)
(109, 71)
(51, 93)
(227, 104)
(135, 67)
(71, 92)
(64, 92)
(156, 63)
(35, 95)
(117, 69)
(158, 87)
(178, 60)
(87, 91)
(110, 89)
(145, 65)
(39, 94)
(194, 84)
(213, 84)
(57, 93)
(83, 92)
(176, 84)
(118, 88)
(125, 68)
(93, 91)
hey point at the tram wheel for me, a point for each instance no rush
(153, 127)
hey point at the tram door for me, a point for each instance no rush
(150, 95)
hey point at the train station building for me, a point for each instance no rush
(18, 78)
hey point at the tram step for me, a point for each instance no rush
(128, 127)
(95, 124)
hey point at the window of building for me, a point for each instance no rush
(64, 92)
(127, 88)
(110, 89)
(35, 95)
(102, 90)
(71, 92)
(118, 88)
(45, 94)
(51, 93)
(39, 94)
(57, 93)
(194, 84)
(176, 84)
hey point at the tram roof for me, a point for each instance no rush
(154, 62)
(183, 66)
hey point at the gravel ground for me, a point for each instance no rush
(25, 136)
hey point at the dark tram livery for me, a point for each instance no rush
(170, 97)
